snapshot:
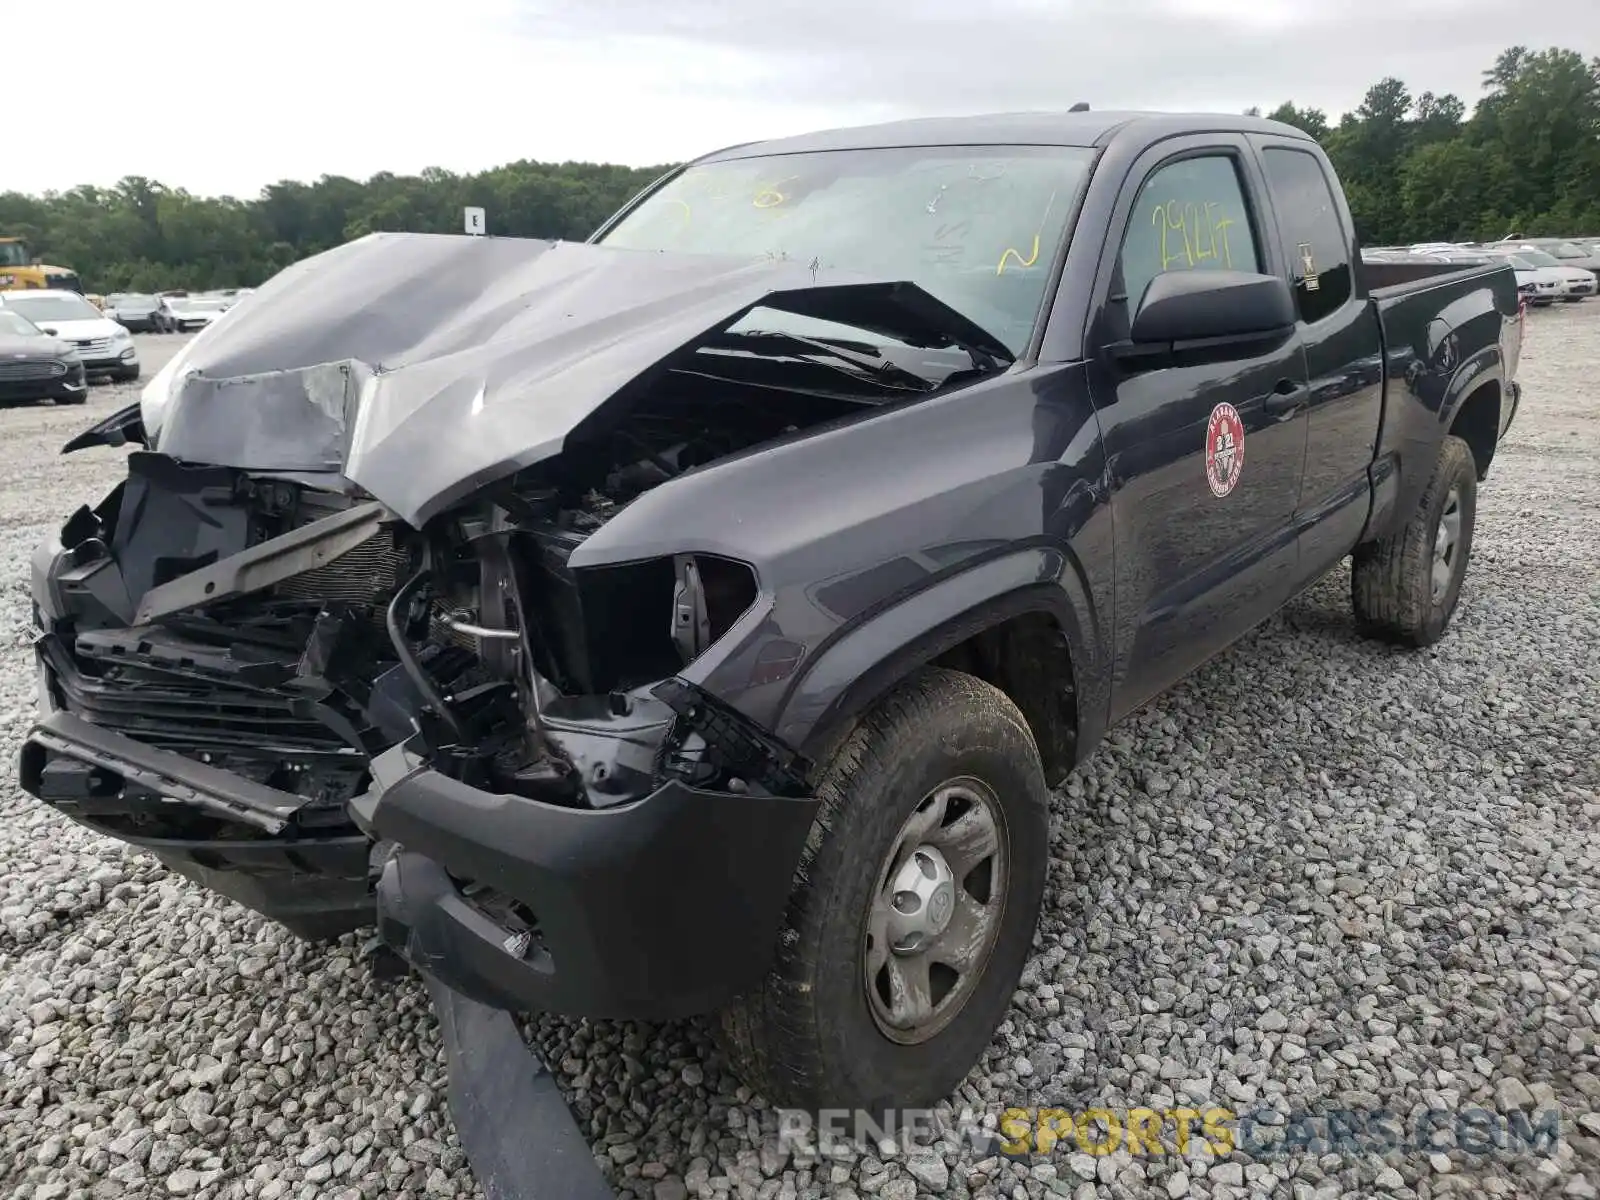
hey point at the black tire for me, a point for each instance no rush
(125, 376)
(807, 1036)
(1391, 582)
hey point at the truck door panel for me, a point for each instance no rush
(1194, 569)
(1343, 355)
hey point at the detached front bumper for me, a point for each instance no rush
(654, 910)
(317, 886)
(666, 902)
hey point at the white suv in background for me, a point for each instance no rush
(105, 346)
(1576, 282)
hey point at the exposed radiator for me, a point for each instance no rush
(369, 574)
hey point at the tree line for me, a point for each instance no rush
(1525, 160)
(1419, 168)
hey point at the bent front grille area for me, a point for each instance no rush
(248, 692)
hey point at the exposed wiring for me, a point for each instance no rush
(408, 660)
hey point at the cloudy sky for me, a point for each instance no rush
(227, 95)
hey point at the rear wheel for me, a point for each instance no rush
(914, 907)
(1405, 588)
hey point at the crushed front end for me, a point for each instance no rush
(398, 615)
(303, 703)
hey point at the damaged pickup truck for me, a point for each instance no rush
(696, 619)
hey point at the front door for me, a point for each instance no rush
(1205, 449)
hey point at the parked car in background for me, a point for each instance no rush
(105, 347)
(1566, 251)
(1574, 284)
(1537, 285)
(142, 313)
(36, 366)
(195, 312)
(224, 299)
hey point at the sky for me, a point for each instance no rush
(225, 96)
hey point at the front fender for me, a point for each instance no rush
(865, 660)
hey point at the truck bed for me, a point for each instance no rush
(1390, 279)
(1476, 302)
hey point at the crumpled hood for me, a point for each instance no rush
(425, 366)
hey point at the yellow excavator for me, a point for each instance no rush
(19, 269)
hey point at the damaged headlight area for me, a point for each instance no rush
(300, 701)
(289, 635)
(567, 693)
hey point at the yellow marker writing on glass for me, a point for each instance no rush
(1011, 252)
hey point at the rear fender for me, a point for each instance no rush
(1432, 399)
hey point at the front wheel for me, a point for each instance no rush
(1405, 587)
(913, 910)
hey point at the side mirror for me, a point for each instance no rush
(1187, 306)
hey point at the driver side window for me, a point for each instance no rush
(1191, 215)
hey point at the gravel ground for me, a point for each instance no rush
(1320, 874)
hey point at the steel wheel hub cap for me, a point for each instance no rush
(1446, 545)
(924, 897)
(936, 912)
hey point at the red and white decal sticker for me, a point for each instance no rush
(1224, 449)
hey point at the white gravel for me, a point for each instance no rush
(1320, 874)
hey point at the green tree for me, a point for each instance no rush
(1416, 166)
(1312, 120)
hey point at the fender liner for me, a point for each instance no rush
(859, 664)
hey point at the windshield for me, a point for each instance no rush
(13, 324)
(1568, 250)
(13, 254)
(978, 227)
(1520, 263)
(53, 308)
(1538, 258)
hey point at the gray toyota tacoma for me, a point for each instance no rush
(696, 619)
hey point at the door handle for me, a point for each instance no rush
(1287, 397)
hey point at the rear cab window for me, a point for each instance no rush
(1314, 242)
